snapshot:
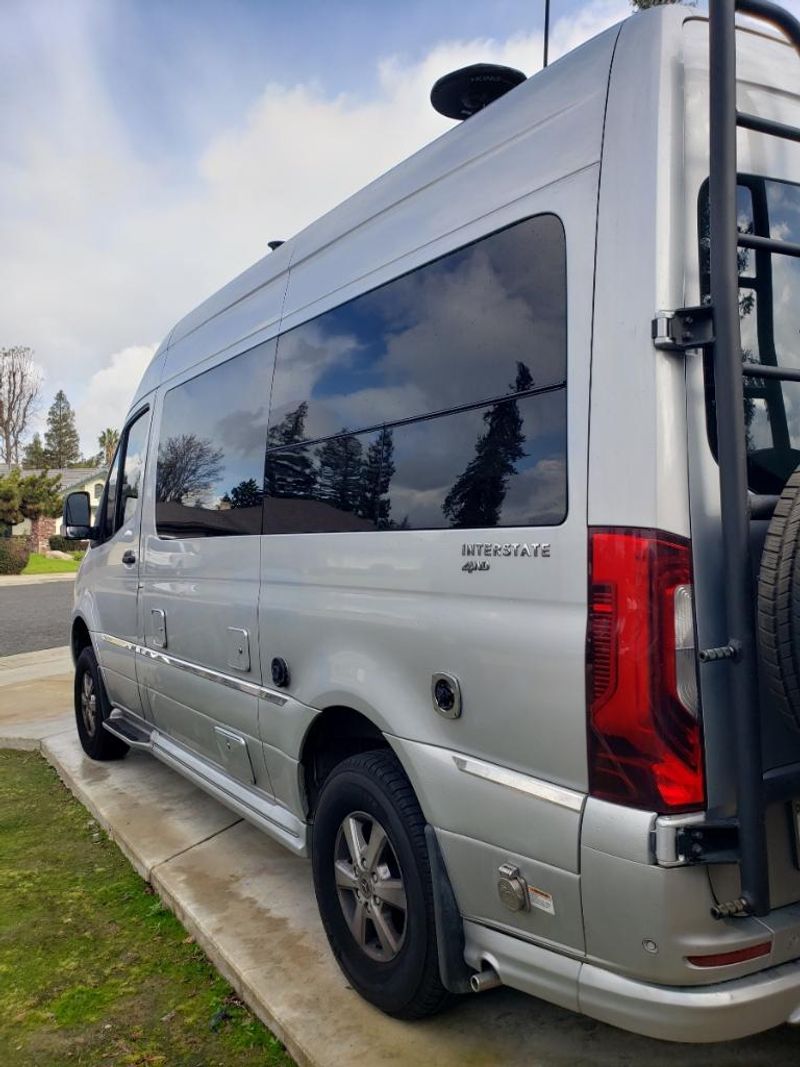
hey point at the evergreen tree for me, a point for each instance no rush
(340, 472)
(476, 498)
(246, 494)
(290, 473)
(35, 455)
(61, 442)
(376, 477)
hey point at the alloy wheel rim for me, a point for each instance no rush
(88, 703)
(370, 887)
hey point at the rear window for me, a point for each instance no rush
(769, 313)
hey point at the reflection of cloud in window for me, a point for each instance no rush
(471, 329)
(537, 494)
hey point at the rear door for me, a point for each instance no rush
(769, 296)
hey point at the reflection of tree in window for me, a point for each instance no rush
(376, 476)
(188, 468)
(477, 496)
(246, 494)
(339, 472)
(290, 474)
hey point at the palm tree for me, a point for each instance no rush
(108, 441)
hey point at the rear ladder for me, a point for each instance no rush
(754, 788)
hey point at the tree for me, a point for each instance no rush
(340, 471)
(477, 496)
(20, 381)
(41, 495)
(188, 466)
(28, 497)
(108, 441)
(35, 456)
(61, 442)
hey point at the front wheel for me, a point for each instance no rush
(91, 709)
(373, 884)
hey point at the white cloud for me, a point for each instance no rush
(105, 248)
(109, 391)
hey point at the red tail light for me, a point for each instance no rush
(645, 743)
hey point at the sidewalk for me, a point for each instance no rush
(250, 904)
(35, 579)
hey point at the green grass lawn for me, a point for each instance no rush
(93, 969)
(39, 564)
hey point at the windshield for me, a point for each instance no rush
(769, 312)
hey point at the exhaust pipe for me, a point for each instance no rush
(483, 980)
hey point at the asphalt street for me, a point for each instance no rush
(34, 616)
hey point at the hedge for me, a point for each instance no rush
(14, 553)
(61, 544)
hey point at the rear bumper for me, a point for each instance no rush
(719, 1012)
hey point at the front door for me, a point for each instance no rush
(112, 566)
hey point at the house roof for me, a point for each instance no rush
(70, 476)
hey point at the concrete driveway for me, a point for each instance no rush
(250, 904)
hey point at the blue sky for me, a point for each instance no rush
(149, 149)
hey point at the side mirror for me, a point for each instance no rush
(77, 525)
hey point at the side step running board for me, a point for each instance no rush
(130, 729)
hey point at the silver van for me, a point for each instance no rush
(455, 544)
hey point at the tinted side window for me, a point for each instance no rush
(324, 488)
(500, 465)
(209, 480)
(448, 334)
(496, 458)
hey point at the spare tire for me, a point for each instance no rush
(778, 620)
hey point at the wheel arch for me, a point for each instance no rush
(337, 732)
(80, 637)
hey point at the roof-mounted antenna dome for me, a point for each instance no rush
(463, 92)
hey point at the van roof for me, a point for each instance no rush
(578, 78)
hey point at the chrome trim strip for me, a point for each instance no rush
(522, 783)
(208, 673)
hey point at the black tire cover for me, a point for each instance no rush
(778, 618)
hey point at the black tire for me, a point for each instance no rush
(373, 786)
(96, 741)
(778, 620)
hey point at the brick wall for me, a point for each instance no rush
(41, 531)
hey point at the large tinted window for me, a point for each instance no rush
(448, 334)
(211, 445)
(769, 315)
(499, 459)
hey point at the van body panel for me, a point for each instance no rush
(555, 920)
(638, 407)
(478, 801)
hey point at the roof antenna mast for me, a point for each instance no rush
(546, 29)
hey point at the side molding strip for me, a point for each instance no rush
(195, 668)
(522, 783)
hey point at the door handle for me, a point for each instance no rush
(129, 557)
